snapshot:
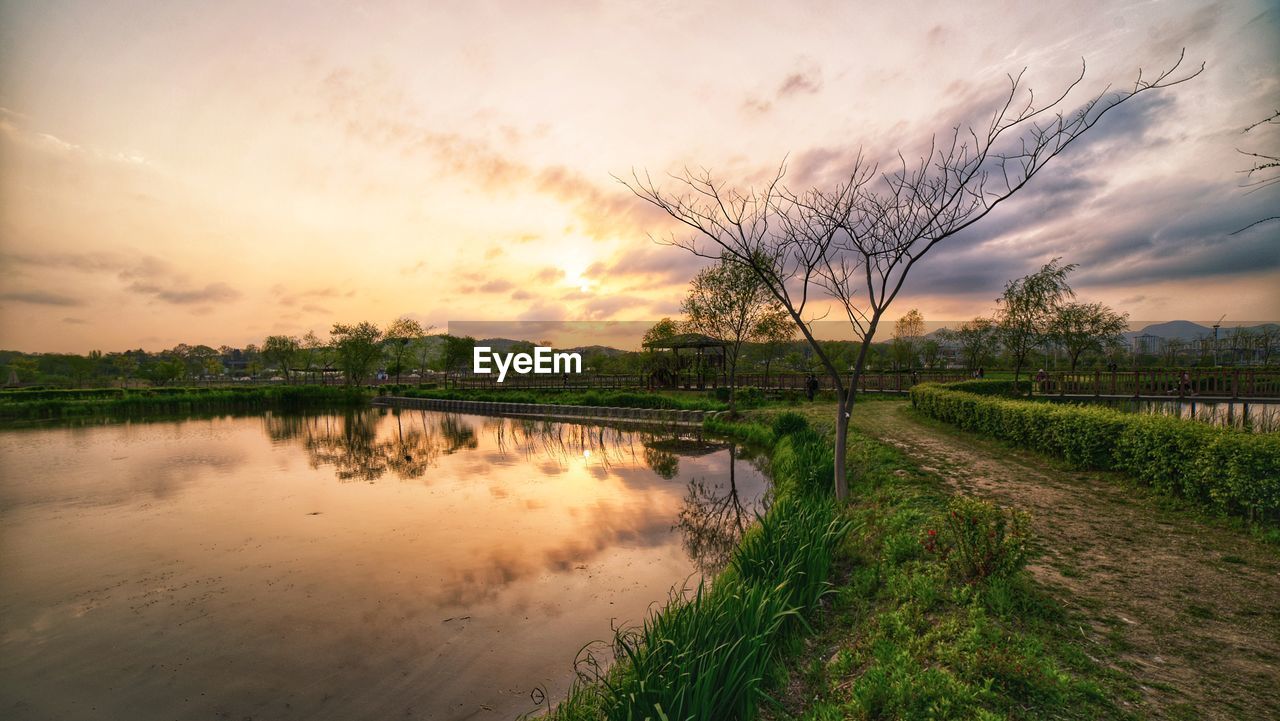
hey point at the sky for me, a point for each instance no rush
(217, 172)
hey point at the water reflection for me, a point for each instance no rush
(713, 518)
(360, 565)
(1245, 416)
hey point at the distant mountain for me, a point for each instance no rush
(596, 350)
(498, 345)
(1186, 330)
(503, 345)
(1181, 329)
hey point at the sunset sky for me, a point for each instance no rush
(216, 172)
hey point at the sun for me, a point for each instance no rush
(574, 266)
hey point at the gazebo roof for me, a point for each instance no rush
(687, 340)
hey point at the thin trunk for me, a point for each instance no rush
(843, 409)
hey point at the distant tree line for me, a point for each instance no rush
(1038, 323)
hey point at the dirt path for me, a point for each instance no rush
(1192, 610)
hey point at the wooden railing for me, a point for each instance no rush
(1210, 382)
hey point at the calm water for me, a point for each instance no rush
(370, 565)
(1254, 417)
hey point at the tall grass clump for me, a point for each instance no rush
(789, 422)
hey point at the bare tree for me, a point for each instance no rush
(856, 242)
(1265, 169)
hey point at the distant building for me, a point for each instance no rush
(1147, 344)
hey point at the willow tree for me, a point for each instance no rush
(1082, 327)
(974, 339)
(1028, 310)
(856, 242)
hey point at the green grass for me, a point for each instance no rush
(903, 639)
(163, 401)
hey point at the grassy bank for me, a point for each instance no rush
(1223, 469)
(856, 612)
(711, 653)
(41, 405)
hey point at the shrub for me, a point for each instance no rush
(991, 387)
(789, 422)
(977, 539)
(749, 397)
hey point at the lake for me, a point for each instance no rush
(371, 564)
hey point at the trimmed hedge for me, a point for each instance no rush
(990, 387)
(1229, 470)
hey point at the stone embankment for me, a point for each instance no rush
(650, 416)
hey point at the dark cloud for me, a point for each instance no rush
(548, 274)
(543, 311)
(145, 275)
(287, 297)
(86, 262)
(605, 210)
(40, 297)
(756, 106)
(801, 83)
(500, 285)
(210, 293)
(1140, 233)
(603, 308)
(655, 265)
(413, 269)
(806, 80)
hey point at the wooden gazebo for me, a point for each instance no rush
(699, 357)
